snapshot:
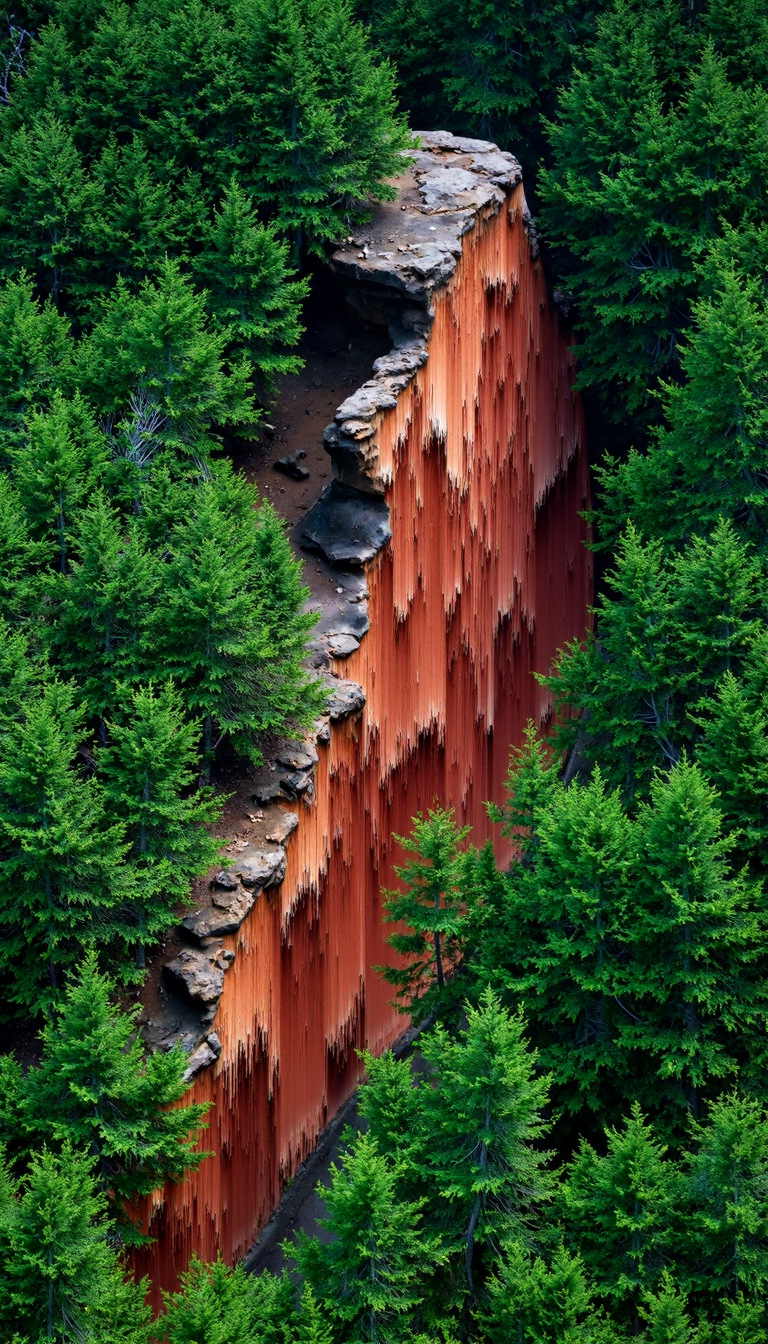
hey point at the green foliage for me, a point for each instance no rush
(486, 69)
(95, 1090)
(57, 465)
(622, 1209)
(252, 300)
(57, 1262)
(707, 462)
(367, 1278)
(429, 906)
(63, 877)
(148, 772)
(160, 342)
(218, 1305)
(229, 628)
(656, 149)
(537, 1304)
(669, 628)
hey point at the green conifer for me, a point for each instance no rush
(63, 877)
(159, 341)
(729, 1188)
(253, 300)
(369, 1280)
(480, 1126)
(95, 1089)
(148, 771)
(59, 1264)
(623, 1212)
(430, 908)
(60, 461)
(697, 936)
(100, 612)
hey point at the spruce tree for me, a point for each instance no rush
(60, 461)
(706, 463)
(369, 1280)
(96, 1090)
(215, 631)
(101, 611)
(733, 752)
(623, 1212)
(481, 1120)
(253, 300)
(36, 355)
(58, 1264)
(532, 1301)
(63, 878)
(553, 942)
(696, 932)
(531, 781)
(728, 1226)
(159, 341)
(21, 559)
(48, 205)
(216, 1303)
(667, 1319)
(430, 908)
(148, 772)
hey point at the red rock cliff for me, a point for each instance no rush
(468, 446)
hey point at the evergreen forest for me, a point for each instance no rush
(581, 1154)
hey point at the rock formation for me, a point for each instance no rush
(454, 523)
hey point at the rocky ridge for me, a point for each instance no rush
(391, 270)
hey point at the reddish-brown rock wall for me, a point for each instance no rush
(485, 576)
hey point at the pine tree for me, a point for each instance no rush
(481, 1111)
(48, 205)
(59, 1263)
(63, 877)
(665, 1312)
(55, 469)
(623, 1212)
(100, 612)
(430, 908)
(554, 943)
(706, 463)
(159, 341)
(253, 300)
(20, 677)
(220, 1305)
(733, 752)
(697, 936)
(729, 1188)
(95, 1089)
(36, 354)
(214, 632)
(148, 771)
(530, 784)
(369, 1280)
(668, 629)
(536, 1303)
(21, 559)
(655, 152)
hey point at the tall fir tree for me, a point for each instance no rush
(60, 461)
(367, 1279)
(149, 771)
(253, 299)
(63, 877)
(429, 907)
(58, 1262)
(95, 1089)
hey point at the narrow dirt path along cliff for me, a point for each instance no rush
(453, 538)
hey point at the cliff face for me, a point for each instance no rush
(468, 447)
